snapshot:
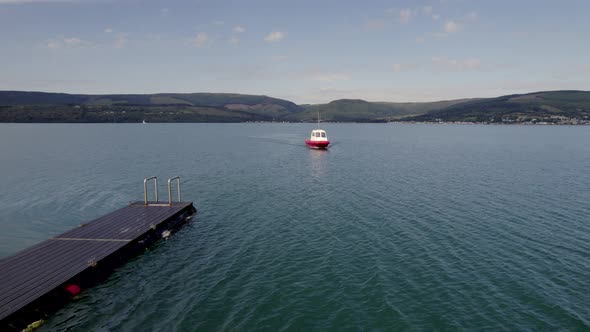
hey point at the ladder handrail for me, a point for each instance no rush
(145, 194)
(177, 178)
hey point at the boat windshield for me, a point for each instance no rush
(323, 134)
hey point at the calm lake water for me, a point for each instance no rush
(395, 227)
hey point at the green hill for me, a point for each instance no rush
(561, 107)
(19, 106)
(538, 107)
(356, 110)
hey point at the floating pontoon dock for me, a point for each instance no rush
(39, 280)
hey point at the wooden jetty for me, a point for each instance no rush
(39, 280)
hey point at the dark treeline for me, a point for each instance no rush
(562, 107)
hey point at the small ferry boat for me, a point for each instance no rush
(318, 138)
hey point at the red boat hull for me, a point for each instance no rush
(317, 144)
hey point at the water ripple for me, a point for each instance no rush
(394, 228)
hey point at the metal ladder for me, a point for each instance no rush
(155, 178)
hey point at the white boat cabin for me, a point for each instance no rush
(318, 135)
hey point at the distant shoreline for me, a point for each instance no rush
(326, 122)
(569, 107)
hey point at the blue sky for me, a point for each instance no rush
(304, 51)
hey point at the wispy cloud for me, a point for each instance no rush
(200, 40)
(405, 15)
(330, 77)
(164, 11)
(240, 72)
(73, 41)
(66, 42)
(520, 34)
(420, 40)
(122, 40)
(429, 11)
(234, 40)
(451, 26)
(374, 24)
(108, 30)
(455, 25)
(275, 36)
(53, 44)
(397, 67)
(391, 11)
(454, 64)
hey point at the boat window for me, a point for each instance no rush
(323, 134)
(317, 134)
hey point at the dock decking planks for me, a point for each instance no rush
(35, 272)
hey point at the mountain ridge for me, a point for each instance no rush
(560, 106)
(547, 107)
